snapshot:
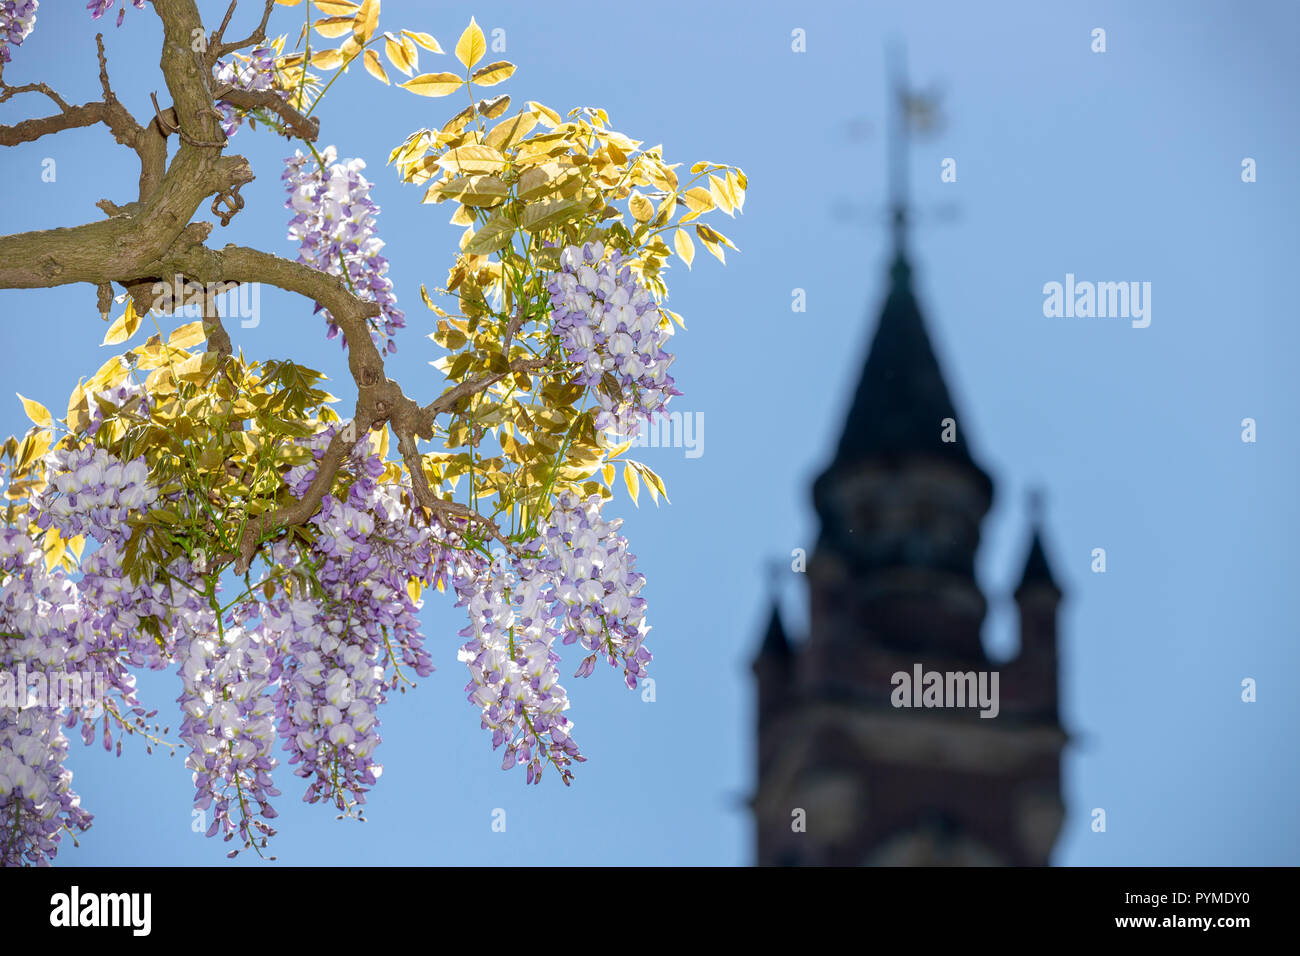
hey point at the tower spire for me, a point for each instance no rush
(898, 144)
(1038, 572)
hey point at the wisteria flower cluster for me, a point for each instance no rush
(347, 620)
(43, 631)
(92, 493)
(98, 8)
(575, 582)
(229, 724)
(255, 72)
(334, 223)
(611, 325)
(17, 19)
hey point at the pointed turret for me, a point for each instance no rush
(1038, 597)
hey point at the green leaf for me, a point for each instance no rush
(495, 234)
(550, 213)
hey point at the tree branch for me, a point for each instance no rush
(301, 126)
(257, 36)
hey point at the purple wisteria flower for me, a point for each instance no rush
(17, 20)
(44, 630)
(575, 582)
(346, 638)
(607, 322)
(254, 72)
(98, 8)
(334, 224)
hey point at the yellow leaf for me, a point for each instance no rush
(472, 159)
(661, 176)
(75, 400)
(641, 208)
(507, 131)
(124, 327)
(711, 244)
(712, 235)
(471, 46)
(288, 3)
(367, 20)
(539, 181)
(374, 67)
(736, 191)
(718, 190)
(327, 60)
(37, 412)
(684, 245)
(413, 589)
(334, 27)
(401, 54)
(340, 8)
(471, 190)
(35, 445)
(351, 48)
(698, 199)
(108, 376)
(423, 39)
(54, 547)
(493, 73)
(494, 107)
(542, 146)
(633, 482)
(463, 216)
(653, 481)
(548, 115)
(433, 84)
(187, 336)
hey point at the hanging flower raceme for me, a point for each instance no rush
(17, 20)
(513, 667)
(343, 616)
(334, 224)
(229, 725)
(575, 582)
(610, 324)
(42, 632)
(597, 585)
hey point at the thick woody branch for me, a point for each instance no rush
(120, 248)
(33, 129)
(301, 126)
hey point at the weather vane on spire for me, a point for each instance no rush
(912, 114)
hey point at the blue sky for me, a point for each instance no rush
(1122, 166)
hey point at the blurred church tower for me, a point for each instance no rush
(892, 584)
